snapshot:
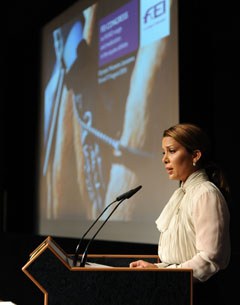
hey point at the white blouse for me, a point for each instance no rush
(194, 228)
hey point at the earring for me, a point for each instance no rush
(194, 163)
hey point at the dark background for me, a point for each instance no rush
(209, 95)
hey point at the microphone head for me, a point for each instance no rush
(133, 191)
(128, 194)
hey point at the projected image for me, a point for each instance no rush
(109, 90)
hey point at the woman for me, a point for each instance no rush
(194, 225)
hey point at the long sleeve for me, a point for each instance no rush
(211, 223)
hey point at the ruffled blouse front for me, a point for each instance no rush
(194, 228)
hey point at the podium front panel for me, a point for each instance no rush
(109, 286)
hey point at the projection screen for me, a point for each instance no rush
(109, 87)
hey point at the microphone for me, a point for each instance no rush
(129, 194)
(120, 198)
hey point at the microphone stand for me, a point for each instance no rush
(78, 246)
(84, 256)
(120, 199)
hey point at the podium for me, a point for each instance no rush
(105, 279)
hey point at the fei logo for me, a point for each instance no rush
(154, 20)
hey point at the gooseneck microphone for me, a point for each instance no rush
(120, 198)
(84, 256)
(78, 246)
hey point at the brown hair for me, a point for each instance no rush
(192, 137)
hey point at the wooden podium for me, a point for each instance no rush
(106, 281)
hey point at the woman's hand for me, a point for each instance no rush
(141, 264)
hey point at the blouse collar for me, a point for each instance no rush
(195, 178)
